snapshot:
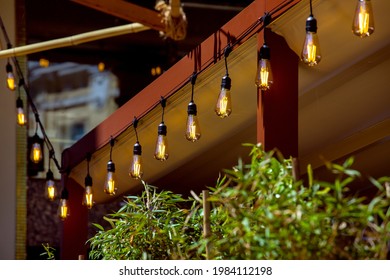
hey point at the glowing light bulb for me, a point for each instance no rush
(51, 191)
(161, 151)
(88, 192)
(223, 107)
(192, 130)
(109, 184)
(10, 77)
(136, 170)
(63, 209)
(36, 150)
(311, 54)
(21, 117)
(43, 62)
(101, 66)
(363, 21)
(264, 78)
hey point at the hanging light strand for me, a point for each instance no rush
(88, 192)
(223, 106)
(136, 168)
(161, 150)
(109, 184)
(30, 101)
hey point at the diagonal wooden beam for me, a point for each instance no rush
(126, 11)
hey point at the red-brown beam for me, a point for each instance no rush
(126, 11)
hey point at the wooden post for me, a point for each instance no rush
(206, 221)
(277, 115)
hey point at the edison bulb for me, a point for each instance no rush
(88, 197)
(63, 209)
(36, 153)
(161, 150)
(10, 76)
(21, 117)
(51, 191)
(109, 184)
(264, 78)
(311, 53)
(136, 170)
(363, 21)
(192, 129)
(223, 107)
(10, 81)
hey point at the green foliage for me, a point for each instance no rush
(154, 225)
(49, 251)
(259, 211)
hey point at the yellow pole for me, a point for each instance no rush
(74, 40)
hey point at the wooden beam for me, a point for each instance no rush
(126, 11)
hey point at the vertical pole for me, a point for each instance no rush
(206, 221)
(277, 110)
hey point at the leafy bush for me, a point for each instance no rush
(258, 212)
(151, 226)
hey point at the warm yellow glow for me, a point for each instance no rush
(364, 19)
(36, 153)
(10, 81)
(43, 62)
(311, 54)
(264, 75)
(136, 167)
(63, 209)
(21, 117)
(109, 187)
(51, 191)
(223, 106)
(161, 152)
(101, 66)
(88, 197)
(193, 130)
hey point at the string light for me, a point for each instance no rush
(223, 107)
(63, 209)
(192, 129)
(50, 190)
(21, 119)
(88, 192)
(264, 78)
(311, 53)
(161, 151)
(109, 184)
(36, 147)
(10, 76)
(136, 169)
(363, 21)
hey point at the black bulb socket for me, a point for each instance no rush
(265, 52)
(311, 24)
(19, 103)
(8, 68)
(110, 166)
(88, 181)
(137, 150)
(226, 82)
(65, 194)
(49, 175)
(191, 110)
(162, 129)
